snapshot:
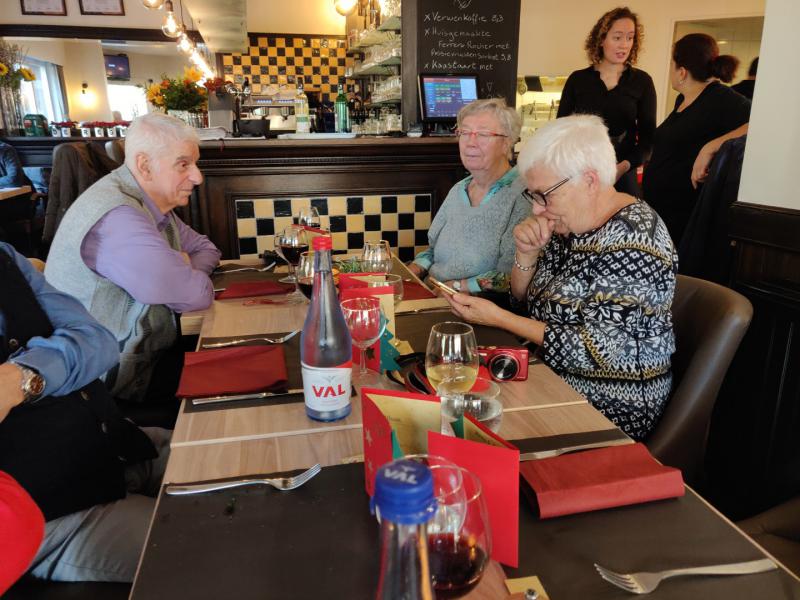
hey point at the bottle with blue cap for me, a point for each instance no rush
(404, 502)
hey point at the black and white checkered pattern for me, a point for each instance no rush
(402, 220)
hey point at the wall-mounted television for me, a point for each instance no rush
(117, 67)
(441, 96)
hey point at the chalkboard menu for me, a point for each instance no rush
(471, 36)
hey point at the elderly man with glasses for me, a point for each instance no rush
(470, 242)
(594, 273)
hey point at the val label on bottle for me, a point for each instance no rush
(326, 389)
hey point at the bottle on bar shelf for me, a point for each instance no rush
(302, 122)
(341, 112)
(326, 349)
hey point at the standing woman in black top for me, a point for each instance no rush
(613, 89)
(706, 114)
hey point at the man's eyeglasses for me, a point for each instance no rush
(540, 198)
(481, 136)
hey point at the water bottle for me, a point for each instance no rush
(302, 123)
(404, 502)
(326, 349)
(341, 112)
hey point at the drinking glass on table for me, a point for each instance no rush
(376, 257)
(459, 538)
(309, 216)
(366, 324)
(396, 281)
(290, 244)
(305, 274)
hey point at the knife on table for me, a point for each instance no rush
(237, 397)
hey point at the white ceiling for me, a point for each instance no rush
(222, 23)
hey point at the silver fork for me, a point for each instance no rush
(236, 342)
(280, 483)
(217, 271)
(644, 583)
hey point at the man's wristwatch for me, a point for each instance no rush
(32, 384)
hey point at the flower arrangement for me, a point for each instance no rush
(11, 75)
(179, 94)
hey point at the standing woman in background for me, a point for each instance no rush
(611, 88)
(706, 114)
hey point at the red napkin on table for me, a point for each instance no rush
(254, 288)
(414, 291)
(598, 479)
(226, 371)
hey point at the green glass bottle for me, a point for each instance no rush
(341, 112)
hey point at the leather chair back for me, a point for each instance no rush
(709, 321)
(116, 150)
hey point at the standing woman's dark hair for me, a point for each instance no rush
(596, 37)
(699, 54)
(612, 88)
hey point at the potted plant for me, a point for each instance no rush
(66, 128)
(99, 130)
(183, 98)
(11, 76)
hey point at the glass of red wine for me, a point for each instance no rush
(309, 217)
(459, 540)
(305, 274)
(290, 244)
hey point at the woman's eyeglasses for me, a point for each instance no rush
(481, 136)
(540, 198)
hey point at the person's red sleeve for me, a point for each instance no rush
(21, 531)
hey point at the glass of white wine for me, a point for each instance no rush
(451, 362)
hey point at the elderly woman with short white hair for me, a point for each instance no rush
(470, 241)
(594, 271)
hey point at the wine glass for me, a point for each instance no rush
(481, 402)
(290, 244)
(396, 281)
(305, 274)
(309, 216)
(376, 257)
(366, 324)
(459, 539)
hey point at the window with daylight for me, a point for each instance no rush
(45, 95)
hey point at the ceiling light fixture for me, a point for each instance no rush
(185, 45)
(171, 27)
(153, 4)
(345, 7)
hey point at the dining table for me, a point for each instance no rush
(320, 540)
(8, 193)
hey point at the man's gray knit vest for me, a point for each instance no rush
(143, 331)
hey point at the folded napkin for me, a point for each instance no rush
(226, 371)
(414, 291)
(254, 288)
(598, 479)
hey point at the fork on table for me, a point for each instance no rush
(239, 341)
(280, 483)
(644, 583)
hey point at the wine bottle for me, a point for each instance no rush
(326, 349)
(341, 112)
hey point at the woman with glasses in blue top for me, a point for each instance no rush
(470, 242)
(594, 275)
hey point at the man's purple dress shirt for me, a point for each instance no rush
(124, 247)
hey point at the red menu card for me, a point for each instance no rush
(401, 423)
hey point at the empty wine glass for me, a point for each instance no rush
(290, 244)
(366, 324)
(309, 216)
(459, 538)
(396, 281)
(376, 257)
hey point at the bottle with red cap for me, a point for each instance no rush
(325, 345)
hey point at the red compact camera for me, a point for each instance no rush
(503, 363)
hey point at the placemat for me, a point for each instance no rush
(221, 278)
(291, 350)
(647, 537)
(318, 541)
(415, 329)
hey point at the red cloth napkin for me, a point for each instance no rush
(598, 479)
(254, 288)
(414, 291)
(225, 371)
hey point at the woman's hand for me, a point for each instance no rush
(476, 310)
(531, 235)
(416, 269)
(702, 162)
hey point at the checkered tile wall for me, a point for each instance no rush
(280, 59)
(402, 220)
